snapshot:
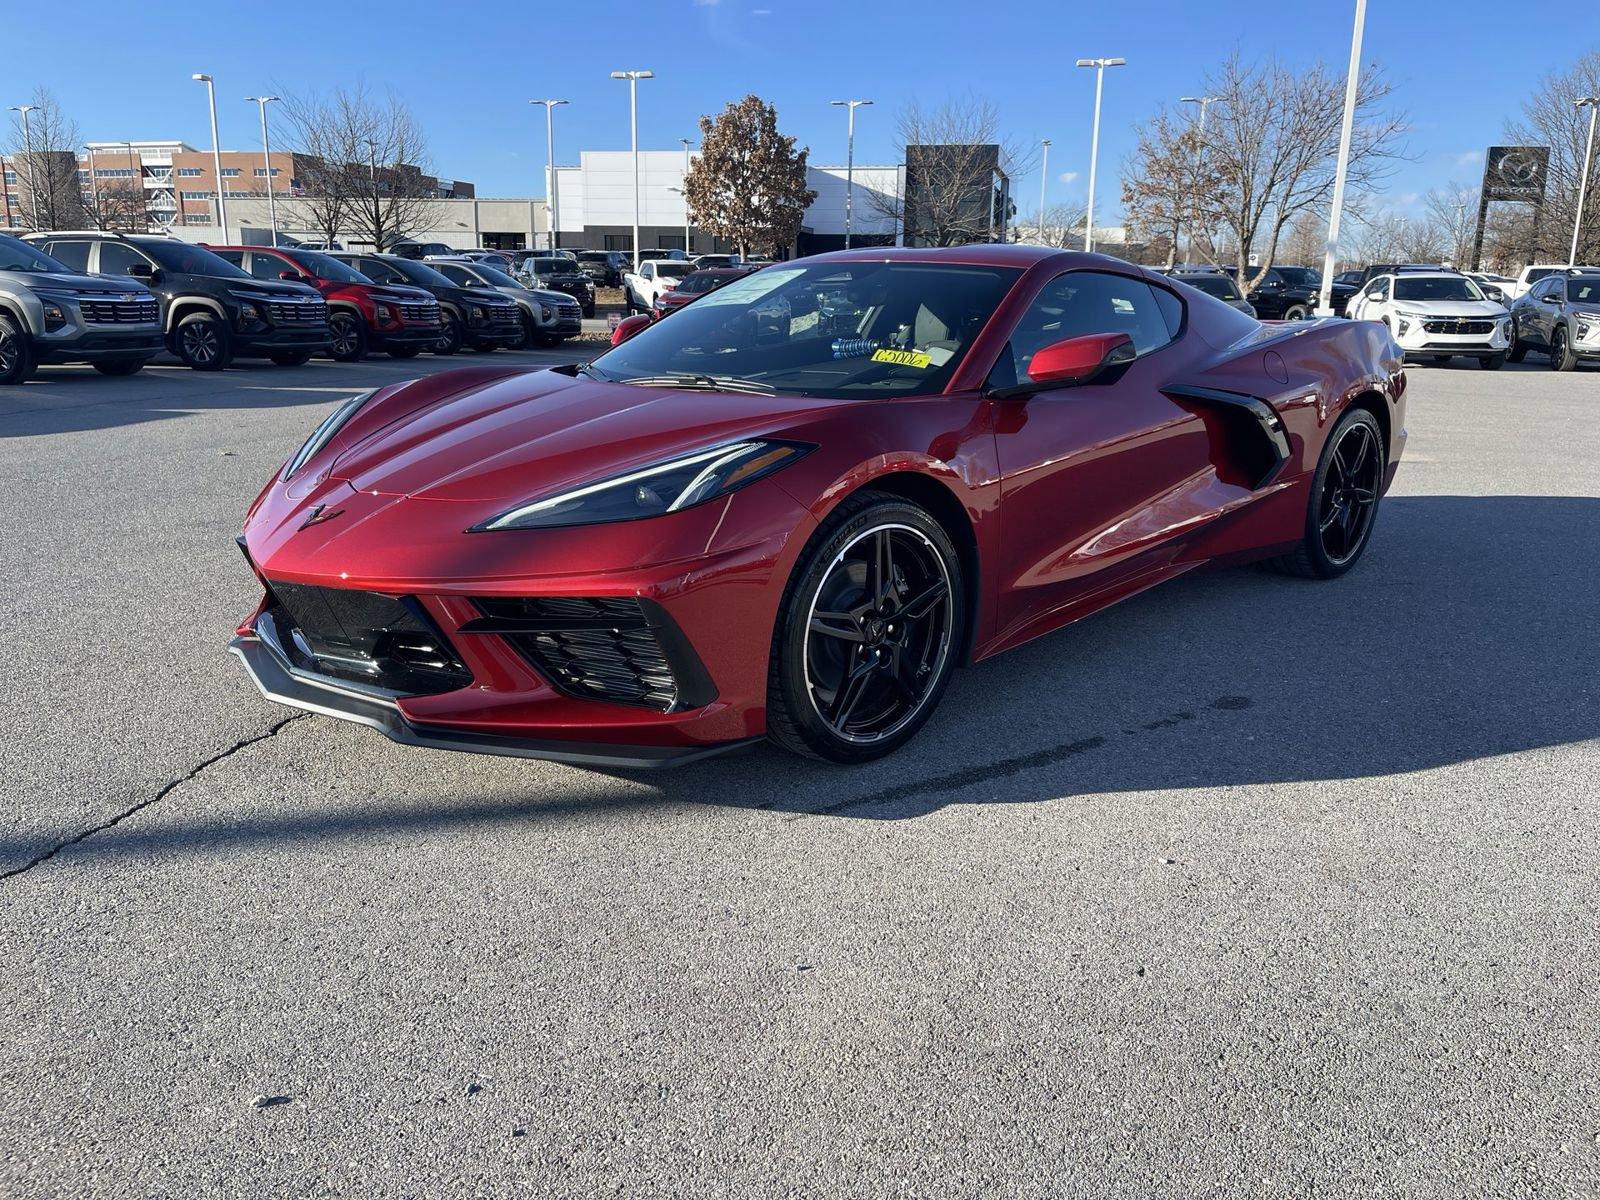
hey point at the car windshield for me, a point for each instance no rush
(1219, 286)
(1584, 289)
(594, 257)
(421, 273)
(191, 260)
(674, 270)
(494, 276)
(843, 330)
(694, 284)
(551, 266)
(1435, 287)
(1304, 277)
(19, 256)
(324, 267)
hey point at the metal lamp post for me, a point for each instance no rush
(216, 152)
(94, 192)
(685, 191)
(1205, 102)
(266, 157)
(1099, 65)
(552, 201)
(1351, 83)
(849, 164)
(372, 167)
(1592, 103)
(633, 78)
(1044, 176)
(33, 166)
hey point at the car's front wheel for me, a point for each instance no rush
(347, 337)
(449, 335)
(120, 366)
(869, 630)
(202, 342)
(1518, 351)
(1296, 312)
(1561, 356)
(1492, 362)
(291, 358)
(1343, 505)
(17, 359)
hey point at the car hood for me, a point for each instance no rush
(267, 287)
(394, 294)
(100, 285)
(1451, 308)
(522, 436)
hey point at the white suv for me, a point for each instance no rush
(1437, 315)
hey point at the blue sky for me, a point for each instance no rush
(1461, 68)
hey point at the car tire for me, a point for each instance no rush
(1296, 312)
(449, 336)
(202, 342)
(1492, 362)
(347, 336)
(1328, 503)
(850, 679)
(1561, 356)
(530, 335)
(588, 310)
(121, 367)
(17, 358)
(291, 358)
(404, 351)
(1518, 351)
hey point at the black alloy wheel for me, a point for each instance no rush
(449, 335)
(1518, 351)
(16, 354)
(347, 337)
(869, 633)
(1561, 356)
(1343, 506)
(201, 342)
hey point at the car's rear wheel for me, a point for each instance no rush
(868, 632)
(1561, 356)
(120, 366)
(17, 360)
(1296, 312)
(1343, 506)
(347, 337)
(202, 342)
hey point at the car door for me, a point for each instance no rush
(1097, 480)
(1374, 301)
(1545, 308)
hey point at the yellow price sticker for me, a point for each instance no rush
(902, 358)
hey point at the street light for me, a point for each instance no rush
(849, 164)
(1352, 81)
(633, 78)
(1099, 65)
(685, 191)
(266, 157)
(1044, 175)
(1592, 103)
(27, 142)
(372, 166)
(552, 201)
(94, 191)
(216, 153)
(1205, 103)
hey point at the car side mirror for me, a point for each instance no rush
(629, 326)
(1493, 293)
(141, 270)
(1078, 360)
(1550, 298)
(1373, 294)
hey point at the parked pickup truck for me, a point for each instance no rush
(655, 276)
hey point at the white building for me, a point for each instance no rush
(594, 204)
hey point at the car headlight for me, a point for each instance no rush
(55, 316)
(323, 434)
(475, 312)
(1410, 316)
(666, 487)
(384, 312)
(546, 313)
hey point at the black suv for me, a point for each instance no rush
(478, 318)
(1287, 294)
(211, 311)
(605, 267)
(558, 273)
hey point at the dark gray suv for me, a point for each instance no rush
(1559, 317)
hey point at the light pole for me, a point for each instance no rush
(1044, 176)
(136, 182)
(27, 142)
(552, 201)
(94, 192)
(633, 78)
(216, 153)
(1352, 81)
(1592, 103)
(849, 164)
(685, 190)
(266, 157)
(372, 166)
(1205, 102)
(1099, 65)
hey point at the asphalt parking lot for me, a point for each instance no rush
(1251, 886)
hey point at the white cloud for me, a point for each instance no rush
(1407, 199)
(1469, 159)
(1067, 176)
(706, 3)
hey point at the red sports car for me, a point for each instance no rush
(795, 508)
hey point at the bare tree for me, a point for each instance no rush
(44, 154)
(117, 204)
(1059, 226)
(1550, 118)
(362, 165)
(1451, 211)
(749, 184)
(952, 155)
(1307, 241)
(1267, 158)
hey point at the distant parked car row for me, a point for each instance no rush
(117, 300)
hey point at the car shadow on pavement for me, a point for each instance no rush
(1468, 631)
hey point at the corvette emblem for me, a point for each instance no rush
(318, 515)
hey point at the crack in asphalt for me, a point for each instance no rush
(166, 790)
(1001, 768)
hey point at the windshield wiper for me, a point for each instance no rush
(704, 383)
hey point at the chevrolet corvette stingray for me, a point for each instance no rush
(793, 508)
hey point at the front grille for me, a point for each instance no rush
(120, 312)
(596, 648)
(506, 317)
(1453, 325)
(385, 641)
(283, 313)
(418, 314)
